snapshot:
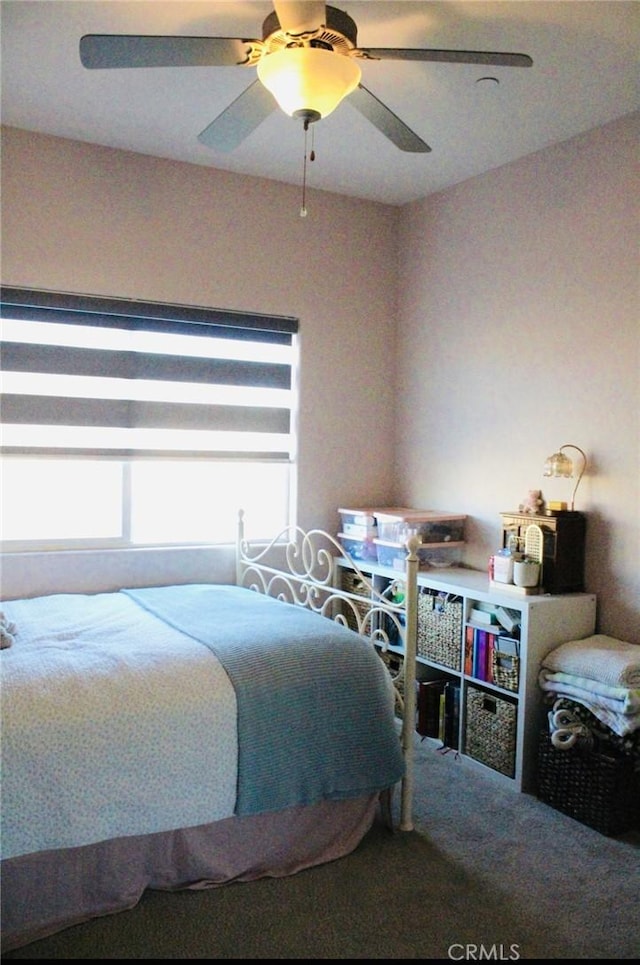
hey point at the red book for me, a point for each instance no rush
(468, 651)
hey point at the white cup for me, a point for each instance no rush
(526, 573)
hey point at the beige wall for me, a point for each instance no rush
(82, 218)
(519, 326)
(446, 347)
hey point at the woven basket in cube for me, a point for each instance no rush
(505, 670)
(490, 735)
(394, 662)
(352, 583)
(440, 630)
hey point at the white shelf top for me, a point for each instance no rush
(464, 581)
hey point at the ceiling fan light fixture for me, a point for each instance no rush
(308, 82)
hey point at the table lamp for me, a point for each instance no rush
(561, 465)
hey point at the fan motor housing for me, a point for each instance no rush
(339, 33)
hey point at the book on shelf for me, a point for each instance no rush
(441, 716)
(508, 618)
(429, 692)
(480, 655)
(468, 650)
(451, 715)
(439, 710)
(484, 617)
(479, 648)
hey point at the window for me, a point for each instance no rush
(140, 423)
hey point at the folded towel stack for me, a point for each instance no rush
(600, 673)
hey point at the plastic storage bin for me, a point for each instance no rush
(394, 555)
(358, 523)
(391, 554)
(363, 550)
(397, 525)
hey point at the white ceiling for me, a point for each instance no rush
(584, 74)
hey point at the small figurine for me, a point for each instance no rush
(533, 502)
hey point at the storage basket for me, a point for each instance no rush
(505, 670)
(352, 583)
(394, 662)
(490, 732)
(439, 635)
(599, 788)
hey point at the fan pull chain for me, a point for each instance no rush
(312, 157)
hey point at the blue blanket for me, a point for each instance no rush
(315, 715)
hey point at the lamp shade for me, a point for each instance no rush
(308, 82)
(558, 465)
(561, 465)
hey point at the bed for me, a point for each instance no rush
(191, 735)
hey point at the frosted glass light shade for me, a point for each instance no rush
(561, 465)
(558, 465)
(308, 81)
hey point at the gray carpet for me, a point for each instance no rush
(487, 874)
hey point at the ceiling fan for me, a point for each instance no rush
(307, 63)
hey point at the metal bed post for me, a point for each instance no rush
(408, 721)
(239, 545)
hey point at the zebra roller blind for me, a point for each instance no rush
(90, 376)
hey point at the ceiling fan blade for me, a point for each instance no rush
(302, 17)
(484, 57)
(239, 119)
(386, 121)
(113, 50)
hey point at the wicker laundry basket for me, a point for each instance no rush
(598, 786)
